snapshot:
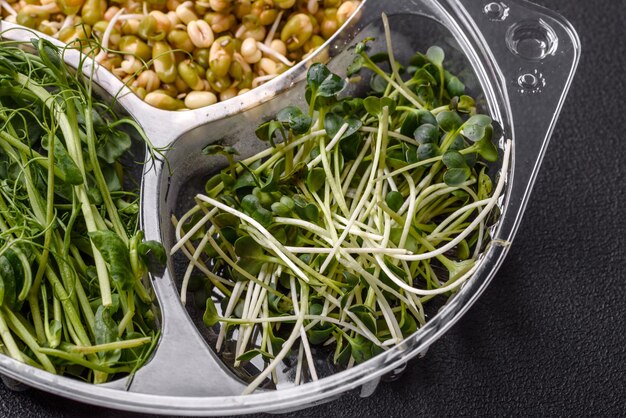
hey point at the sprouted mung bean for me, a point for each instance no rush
(226, 47)
(358, 214)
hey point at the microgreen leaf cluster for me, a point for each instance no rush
(73, 264)
(359, 212)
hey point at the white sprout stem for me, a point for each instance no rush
(357, 163)
(130, 16)
(330, 180)
(410, 213)
(272, 242)
(107, 34)
(229, 310)
(273, 53)
(6, 6)
(303, 337)
(451, 244)
(368, 189)
(349, 250)
(392, 134)
(286, 346)
(270, 34)
(262, 79)
(458, 213)
(311, 227)
(187, 276)
(182, 240)
(315, 161)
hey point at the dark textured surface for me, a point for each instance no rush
(548, 337)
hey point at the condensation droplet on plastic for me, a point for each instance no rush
(533, 40)
(496, 11)
(531, 82)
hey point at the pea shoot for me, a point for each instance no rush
(359, 212)
(73, 263)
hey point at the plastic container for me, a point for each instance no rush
(519, 57)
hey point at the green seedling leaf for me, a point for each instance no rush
(251, 205)
(435, 55)
(276, 342)
(427, 151)
(449, 120)
(365, 315)
(116, 254)
(210, 316)
(427, 133)
(454, 86)
(394, 200)
(333, 123)
(54, 328)
(153, 255)
(267, 131)
(343, 352)
(453, 159)
(372, 105)
(279, 209)
(112, 144)
(463, 250)
(247, 247)
(105, 329)
(316, 75)
(485, 185)
(316, 179)
(456, 176)
(473, 132)
(246, 179)
(249, 355)
(72, 175)
(355, 66)
(466, 104)
(480, 120)
(222, 220)
(486, 149)
(407, 323)
(331, 86)
(293, 118)
(273, 179)
(8, 285)
(378, 84)
(218, 149)
(424, 78)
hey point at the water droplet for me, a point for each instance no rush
(532, 82)
(532, 39)
(496, 11)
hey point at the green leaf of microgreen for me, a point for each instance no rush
(316, 75)
(485, 185)
(250, 354)
(427, 133)
(293, 118)
(394, 200)
(436, 55)
(153, 255)
(210, 316)
(427, 151)
(268, 130)
(456, 176)
(316, 179)
(473, 132)
(105, 330)
(466, 104)
(331, 86)
(449, 120)
(116, 254)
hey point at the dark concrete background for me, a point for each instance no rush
(548, 337)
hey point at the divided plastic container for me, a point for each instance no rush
(517, 57)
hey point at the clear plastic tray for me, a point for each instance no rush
(519, 57)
